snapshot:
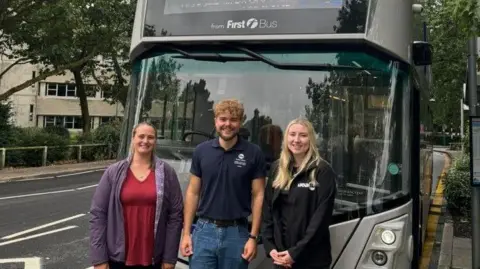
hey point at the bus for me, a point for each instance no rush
(351, 67)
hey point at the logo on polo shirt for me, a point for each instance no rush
(240, 160)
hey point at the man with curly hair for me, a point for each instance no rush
(226, 186)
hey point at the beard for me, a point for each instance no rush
(227, 138)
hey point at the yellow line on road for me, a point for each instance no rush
(432, 222)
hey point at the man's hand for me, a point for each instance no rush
(250, 250)
(186, 246)
(102, 266)
(168, 266)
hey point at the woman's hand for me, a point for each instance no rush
(102, 266)
(279, 260)
(284, 259)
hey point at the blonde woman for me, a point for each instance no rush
(298, 204)
(136, 213)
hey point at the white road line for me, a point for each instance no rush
(31, 179)
(37, 235)
(42, 226)
(35, 263)
(46, 193)
(35, 194)
(86, 187)
(28, 263)
(81, 173)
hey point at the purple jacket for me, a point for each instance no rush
(107, 234)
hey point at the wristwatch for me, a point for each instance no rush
(254, 237)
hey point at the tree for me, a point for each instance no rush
(21, 39)
(6, 114)
(450, 26)
(68, 35)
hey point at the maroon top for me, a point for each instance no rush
(139, 203)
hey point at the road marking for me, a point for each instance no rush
(86, 187)
(42, 226)
(31, 179)
(434, 216)
(52, 177)
(46, 193)
(81, 173)
(37, 235)
(35, 194)
(28, 263)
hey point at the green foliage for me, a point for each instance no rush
(108, 134)
(6, 127)
(458, 188)
(450, 24)
(69, 35)
(58, 130)
(25, 137)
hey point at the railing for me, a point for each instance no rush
(455, 145)
(3, 151)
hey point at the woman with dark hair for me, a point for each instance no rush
(137, 210)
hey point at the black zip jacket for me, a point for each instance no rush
(307, 237)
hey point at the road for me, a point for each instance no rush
(438, 163)
(47, 220)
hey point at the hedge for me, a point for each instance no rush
(57, 139)
(457, 187)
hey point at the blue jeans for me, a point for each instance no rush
(218, 247)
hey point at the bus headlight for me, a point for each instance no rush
(379, 257)
(388, 237)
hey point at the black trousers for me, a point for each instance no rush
(120, 265)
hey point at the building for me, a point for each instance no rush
(52, 101)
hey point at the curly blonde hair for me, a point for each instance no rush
(233, 106)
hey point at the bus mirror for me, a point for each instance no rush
(422, 53)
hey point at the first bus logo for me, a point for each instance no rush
(251, 23)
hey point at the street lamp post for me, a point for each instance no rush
(472, 94)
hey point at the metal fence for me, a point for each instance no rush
(78, 157)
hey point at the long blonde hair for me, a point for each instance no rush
(132, 146)
(283, 178)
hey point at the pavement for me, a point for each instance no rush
(10, 174)
(454, 252)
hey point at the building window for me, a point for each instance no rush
(30, 114)
(51, 89)
(68, 90)
(71, 90)
(49, 121)
(91, 90)
(61, 89)
(69, 122)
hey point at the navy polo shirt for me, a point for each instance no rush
(226, 178)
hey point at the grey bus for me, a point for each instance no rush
(351, 67)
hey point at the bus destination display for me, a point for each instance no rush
(199, 6)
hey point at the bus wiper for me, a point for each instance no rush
(211, 57)
(297, 66)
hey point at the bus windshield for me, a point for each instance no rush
(355, 104)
